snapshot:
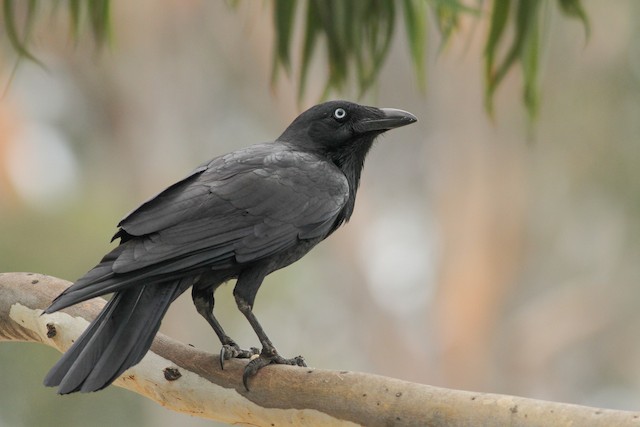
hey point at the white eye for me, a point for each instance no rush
(339, 113)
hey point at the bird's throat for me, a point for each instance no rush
(350, 160)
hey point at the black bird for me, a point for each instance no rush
(240, 216)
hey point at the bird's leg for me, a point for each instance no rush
(268, 355)
(204, 301)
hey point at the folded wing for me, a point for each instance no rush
(240, 207)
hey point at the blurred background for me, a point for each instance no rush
(494, 255)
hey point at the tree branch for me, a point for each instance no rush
(185, 379)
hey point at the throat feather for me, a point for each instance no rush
(350, 160)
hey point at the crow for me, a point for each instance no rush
(239, 216)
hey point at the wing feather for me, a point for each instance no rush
(242, 207)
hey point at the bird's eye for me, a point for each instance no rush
(339, 113)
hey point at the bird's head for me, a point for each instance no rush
(343, 132)
(340, 127)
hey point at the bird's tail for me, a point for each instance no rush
(116, 340)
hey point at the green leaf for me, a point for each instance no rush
(529, 57)
(379, 27)
(74, 12)
(99, 16)
(283, 21)
(499, 18)
(524, 48)
(415, 17)
(283, 14)
(447, 21)
(447, 14)
(20, 43)
(574, 9)
(311, 34)
(457, 7)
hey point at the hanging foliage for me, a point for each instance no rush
(355, 36)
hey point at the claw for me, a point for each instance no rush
(252, 368)
(222, 358)
(263, 360)
(230, 351)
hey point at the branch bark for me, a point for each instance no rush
(185, 379)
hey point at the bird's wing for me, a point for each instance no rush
(241, 207)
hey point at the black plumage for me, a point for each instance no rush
(240, 216)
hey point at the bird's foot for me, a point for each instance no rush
(268, 357)
(232, 350)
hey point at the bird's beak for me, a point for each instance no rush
(392, 118)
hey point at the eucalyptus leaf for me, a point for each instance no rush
(19, 42)
(574, 9)
(415, 18)
(354, 36)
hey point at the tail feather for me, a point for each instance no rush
(117, 339)
(82, 346)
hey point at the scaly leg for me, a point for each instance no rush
(268, 355)
(204, 301)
